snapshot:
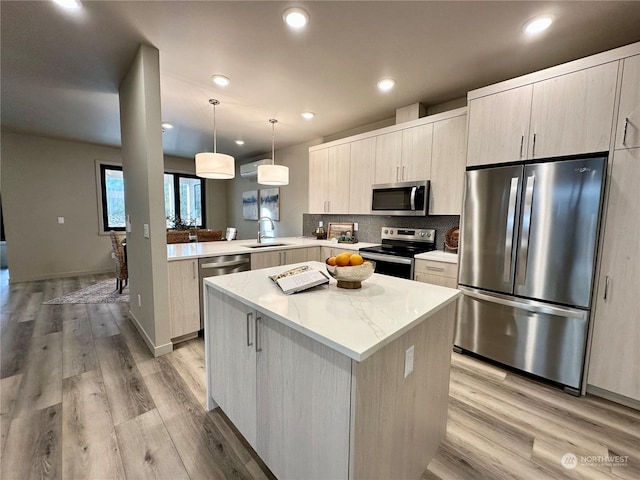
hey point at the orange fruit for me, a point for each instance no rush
(331, 261)
(367, 262)
(355, 259)
(342, 260)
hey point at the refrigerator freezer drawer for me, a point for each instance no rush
(534, 337)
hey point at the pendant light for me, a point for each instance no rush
(215, 165)
(273, 174)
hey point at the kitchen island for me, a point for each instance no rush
(332, 383)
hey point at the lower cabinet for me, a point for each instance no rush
(311, 412)
(184, 297)
(281, 257)
(277, 386)
(437, 273)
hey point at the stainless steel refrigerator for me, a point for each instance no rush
(527, 260)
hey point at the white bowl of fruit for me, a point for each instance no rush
(349, 269)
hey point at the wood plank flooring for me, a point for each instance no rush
(81, 397)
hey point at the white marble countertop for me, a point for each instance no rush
(438, 256)
(183, 251)
(356, 323)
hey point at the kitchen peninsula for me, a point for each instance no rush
(332, 383)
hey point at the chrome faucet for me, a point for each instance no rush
(260, 234)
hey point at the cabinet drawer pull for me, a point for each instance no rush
(624, 133)
(436, 269)
(249, 342)
(533, 148)
(258, 343)
(195, 272)
(606, 286)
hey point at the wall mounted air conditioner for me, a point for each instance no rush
(251, 169)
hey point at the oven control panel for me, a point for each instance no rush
(409, 234)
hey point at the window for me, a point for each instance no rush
(183, 198)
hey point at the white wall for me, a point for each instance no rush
(294, 198)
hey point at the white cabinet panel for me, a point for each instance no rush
(573, 113)
(184, 297)
(416, 153)
(318, 161)
(448, 166)
(232, 354)
(362, 175)
(337, 186)
(388, 157)
(628, 131)
(499, 127)
(615, 348)
(302, 387)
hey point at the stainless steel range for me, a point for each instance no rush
(399, 245)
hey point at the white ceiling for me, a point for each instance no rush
(60, 72)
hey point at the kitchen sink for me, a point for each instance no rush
(264, 245)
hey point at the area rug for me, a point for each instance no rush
(102, 292)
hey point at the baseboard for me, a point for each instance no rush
(156, 350)
(60, 275)
(613, 397)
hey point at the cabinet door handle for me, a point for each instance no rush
(249, 316)
(258, 343)
(624, 133)
(402, 177)
(284, 254)
(606, 286)
(533, 148)
(397, 173)
(521, 144)
(195, 274)
(436, 269)
(328, 206)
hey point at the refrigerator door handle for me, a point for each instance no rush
(523, 254)
(508, 239)
(530, 306)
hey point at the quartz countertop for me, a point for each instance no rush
(184, 251)
(438, 256)
(356, 323)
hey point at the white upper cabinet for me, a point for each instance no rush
(329, 179)
(416, 153)
(388, 157)
(318, 162)
(573, 113)
(628, 131)
(499, 127)
(567, 114)
(448, 166)
(404, 155)
(362, 175)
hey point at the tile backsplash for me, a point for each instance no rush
(369, 226)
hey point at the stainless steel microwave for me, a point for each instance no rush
(401, 199)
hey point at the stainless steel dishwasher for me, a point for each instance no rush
(214, 266)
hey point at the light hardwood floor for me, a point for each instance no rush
(82, 398)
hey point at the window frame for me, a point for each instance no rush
(101, 166)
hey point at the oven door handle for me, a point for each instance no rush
(386, 258)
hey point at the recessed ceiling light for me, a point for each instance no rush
(69, 4)
(239, 142)
(167, 126)
(295, 17)
(220, 80)
(386, 84)
(538, 24)
(308, 115)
